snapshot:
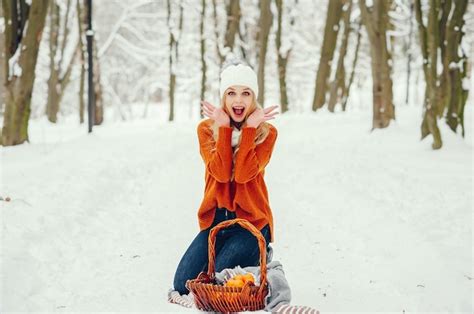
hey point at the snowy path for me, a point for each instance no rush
(368, 222)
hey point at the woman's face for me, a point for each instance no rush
(237, 102)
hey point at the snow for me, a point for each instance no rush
(465, 83)
(14, 68)
(364, 221)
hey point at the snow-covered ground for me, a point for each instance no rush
(364, 221)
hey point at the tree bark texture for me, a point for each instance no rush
(82, 49)
(429, 42)
(327, 52)
(376, 21)
(233, 22)
(203, 55)
(24, 50)
(59, 79)
(282, 57)
(265, 23)
(338, 86)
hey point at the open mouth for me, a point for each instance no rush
(238, 111)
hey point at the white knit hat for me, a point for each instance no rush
(238, 75)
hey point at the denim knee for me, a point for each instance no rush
(192, 263)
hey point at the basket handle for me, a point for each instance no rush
(261, 245)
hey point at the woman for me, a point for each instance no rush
(236, 143)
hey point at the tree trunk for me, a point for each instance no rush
(82, 46)
(327, 52)
(2, 68)
(173, 58)
(203, 55)
(455, 66)
(99, 101)
(376, 23)
(282, 58)
(429, 47)
(216, 34)
(443, 86)
(338, 86)
(265, 24)
(410, 35)
(52, 105)
(429, 124)
(345, 97)
(19, 85)
(233, 22)
(59, 79)
(172, 79)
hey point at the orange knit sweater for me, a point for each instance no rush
(247, 193)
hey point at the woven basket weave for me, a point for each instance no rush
(210, 296)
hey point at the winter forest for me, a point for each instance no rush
(309, 55)
(370, 181)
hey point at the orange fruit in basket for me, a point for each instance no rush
(234, 283)
(241, 280)
(248, 277)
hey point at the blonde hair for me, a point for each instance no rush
(262, 130)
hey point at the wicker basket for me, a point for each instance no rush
(210, 296)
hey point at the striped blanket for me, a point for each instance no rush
(187, 300)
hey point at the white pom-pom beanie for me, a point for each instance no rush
(239, 74)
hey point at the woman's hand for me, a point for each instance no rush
(261, 115)
(216, 114)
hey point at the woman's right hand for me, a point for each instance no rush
(216, 114)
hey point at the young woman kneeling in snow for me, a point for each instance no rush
(236, 144)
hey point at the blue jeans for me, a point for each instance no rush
(235, 246)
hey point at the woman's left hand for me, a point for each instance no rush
(261, 115)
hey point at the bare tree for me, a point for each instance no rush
(283, 54)
(429, 48)
(345, 96)
(233, 22)
(173, 56)
(82, 49)
(99, 100)
(327, 52)
(410, 53)
(232, 28)
(21, 51)
(455, 67)
(132, 56)
(265, 24)
(442, 34)
(203, 53)
(376, 22)
(216, 33)
(2, 64)
(59, 78)
(338, 87)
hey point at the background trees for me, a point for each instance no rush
(337, 54)
(444, 66)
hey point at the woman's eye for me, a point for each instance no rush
(231, 93)
(246, 93)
